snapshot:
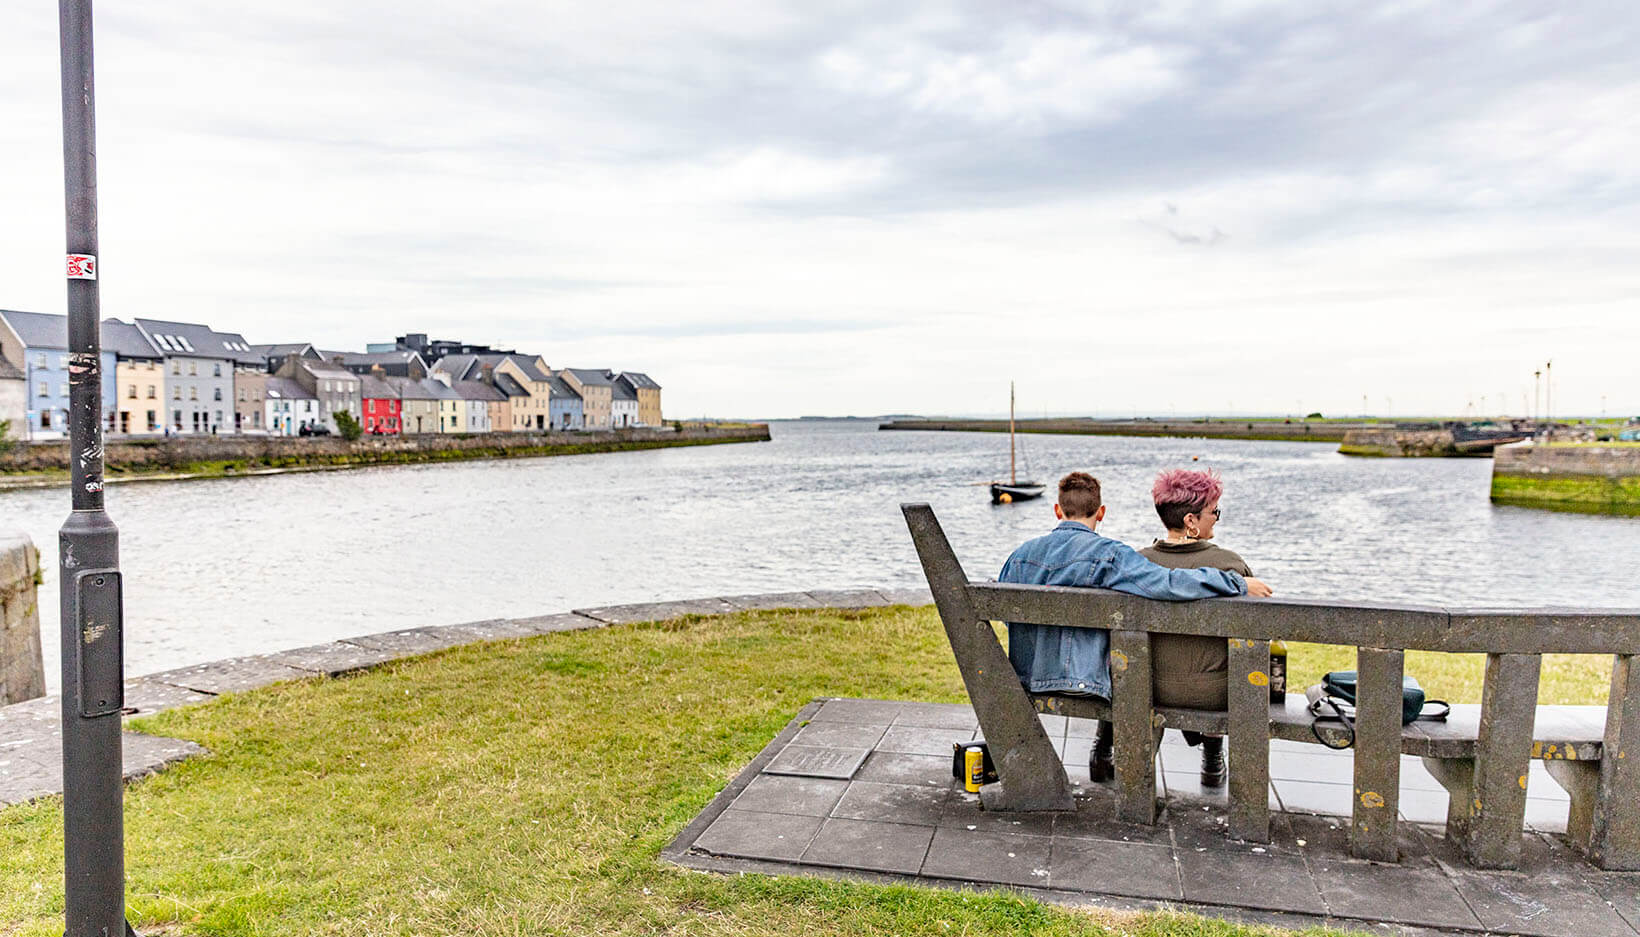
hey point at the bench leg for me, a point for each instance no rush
(1503, 751)
(1581, 781)
(1030, 774)
(1377, 754)
(1250, 740)
(1614, 836)
(1457, 775)
(1135, 737)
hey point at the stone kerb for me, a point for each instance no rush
(22, 670)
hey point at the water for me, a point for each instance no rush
(239, 566)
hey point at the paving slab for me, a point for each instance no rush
(921, 740)
(411, 641)
(657, 611)
(1407, 894)
(900, 768)
(750, 835)
(963, 811)
(777, 793)
(334, 658)
(1140, 870)
(815, 762)
(848, 598)
(766, 601)
(151, 696)
(550, 624)
(937, 716)
(494, 629)
(875, 712)
(914, 596)
(840, 735)
(984, 856)
(895, 803)
(872, 846)
(234, 675)
(1269, 880)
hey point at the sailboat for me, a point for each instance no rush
(1013, 490)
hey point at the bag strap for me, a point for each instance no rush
(1440, 714)
(1338, 713)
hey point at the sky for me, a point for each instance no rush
(783, 208)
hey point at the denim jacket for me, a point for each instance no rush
(1054, 659)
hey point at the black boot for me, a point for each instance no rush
(1212, 761)
(1101, 763)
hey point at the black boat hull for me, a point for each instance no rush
(1008, 494)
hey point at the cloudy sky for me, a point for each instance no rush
(784, 208)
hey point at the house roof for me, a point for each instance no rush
(409, 388)
(505, 383)
(476, 390)
(9, 371)
(402, 356)
(526, 363)
(371, 386)
(283, 388)
(192, 340)
(456, 366)
(624, 391)
(288, 348)
(127, 342)
(38, 329)
(594, 377)
(561, 388)
(638, 380)
(328, 371)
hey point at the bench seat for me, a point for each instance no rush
(1570, 733)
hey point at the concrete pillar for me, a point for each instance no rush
(22, 672)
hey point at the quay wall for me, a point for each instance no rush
(1297, 431)
(236, 454)
(22, 670)
(1585, 478)
(1398, 443)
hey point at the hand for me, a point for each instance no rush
(1257, 589)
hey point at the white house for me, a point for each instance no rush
(290, 406)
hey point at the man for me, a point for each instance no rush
(1075, 661)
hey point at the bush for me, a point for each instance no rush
(1314, 416)
(347, 425)
(6, 442)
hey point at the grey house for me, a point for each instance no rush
(335, 387)
(199, 369)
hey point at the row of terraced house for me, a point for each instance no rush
(164, 378)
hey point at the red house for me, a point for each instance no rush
(381, 406)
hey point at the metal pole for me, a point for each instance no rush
(88, 543)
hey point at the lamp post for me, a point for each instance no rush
(88, 544)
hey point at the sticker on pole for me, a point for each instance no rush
(82, 266)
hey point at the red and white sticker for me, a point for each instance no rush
(82, 266)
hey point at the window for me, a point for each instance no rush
(62, 362)
(241, 395)
(176, 368)
(131, 391)
(62, 390)
(193, 369)
(40, 360)
(45, 391)
(152, 392)
(152, 423)
(216, 369)
(216, 394)
(193, 393)
(176, 393)
(256, 419)
(45, 419)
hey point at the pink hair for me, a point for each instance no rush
(1183, 486)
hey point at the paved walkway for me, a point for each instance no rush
(863, 789)
(31, 746)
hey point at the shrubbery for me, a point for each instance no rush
(347, 425)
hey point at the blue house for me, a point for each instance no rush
(37, 343)
(564, 405)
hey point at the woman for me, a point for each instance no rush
(1191, 671)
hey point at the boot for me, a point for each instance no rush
(1101, 761)
(1212, 761)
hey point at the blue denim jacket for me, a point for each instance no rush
(1053, 659)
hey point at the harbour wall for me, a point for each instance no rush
(1399, 443)
(22, 671)
(1295, 431)
(1585, 478)
(213, 456)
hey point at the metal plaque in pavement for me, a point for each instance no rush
(814, 762)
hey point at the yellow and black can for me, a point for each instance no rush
(973, 768)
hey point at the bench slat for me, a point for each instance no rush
(1377, 754)
(1249, 700)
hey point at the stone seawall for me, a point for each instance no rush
(1399, 443)
(227, 455)
(1296, 431)
(22, 672)
(1586, 478)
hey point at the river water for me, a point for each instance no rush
(249, 565)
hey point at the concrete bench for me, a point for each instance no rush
(1480, 754)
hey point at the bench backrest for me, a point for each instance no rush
(1512, 639)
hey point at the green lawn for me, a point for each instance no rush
(525, 787)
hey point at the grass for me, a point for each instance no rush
(526, 787)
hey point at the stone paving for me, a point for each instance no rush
(863, 789)
(31, 733)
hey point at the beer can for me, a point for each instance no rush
(973, 768)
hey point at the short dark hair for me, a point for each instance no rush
(1079, 495)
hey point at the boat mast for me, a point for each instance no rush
(1013, 478)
